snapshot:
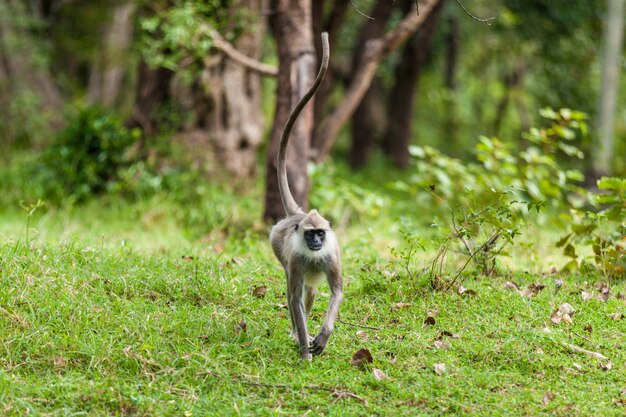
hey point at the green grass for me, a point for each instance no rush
(112, 308)
(147, 308)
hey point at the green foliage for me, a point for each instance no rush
(490, 199)
(343, 200)
(533, 174)
(603, 230)
(177, 36)
(87, 156)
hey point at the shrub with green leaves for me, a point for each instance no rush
(484, 204)
(87, 155)
(534, 173)
(602, 230)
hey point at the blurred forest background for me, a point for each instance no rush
(137, 97)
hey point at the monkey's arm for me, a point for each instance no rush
(336, 287)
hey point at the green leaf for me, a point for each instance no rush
(571, 150)
(548, 113)
(570, 251)
(561, 242)
(612, 183)
(570, 266)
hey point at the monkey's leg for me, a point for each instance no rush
(336, 287)
(295, 288)
(309, 299)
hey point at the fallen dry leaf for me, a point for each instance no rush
(241, 327)
(430, 317)
(511, 286)
(606, 366)
(556, 317)
(532, 290)
(604, 295)
(601, 285)
(588, 328)
(616, 316)
(586, 295)
(466, 291)
(259, 291)
(449, 334)
(563, 313)
(237, 261)
(363, 335)
(361, 357)
(567, 319)
(441, 344)
(547, 397)
(399, 306)
(378, 374)
(440, 368)
(566, 308)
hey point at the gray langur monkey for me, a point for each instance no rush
(306, 246)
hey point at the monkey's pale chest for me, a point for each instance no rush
(313, 279)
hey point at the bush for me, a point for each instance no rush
(603, 229)
(88, 155)
(486, 203)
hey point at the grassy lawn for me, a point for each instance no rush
(113, 310)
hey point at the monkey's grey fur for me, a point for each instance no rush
(306, 246)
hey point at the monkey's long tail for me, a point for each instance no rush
(285, 193)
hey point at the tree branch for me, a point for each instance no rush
(375, 51)
(230, 51)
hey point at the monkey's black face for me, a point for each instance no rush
(314, 239)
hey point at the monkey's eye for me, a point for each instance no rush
(296, 227)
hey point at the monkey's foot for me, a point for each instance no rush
(318, 344)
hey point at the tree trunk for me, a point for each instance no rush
(152, 92)
(402, 98)
(292, 28)
(602, 151)
(511, 81)
(28, 93)
(332, 24)
(368, 120)
(106, 77)
(452, 41)
(227, 127)
(235, 121)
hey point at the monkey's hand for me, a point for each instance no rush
(319, 343)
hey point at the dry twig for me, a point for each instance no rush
(585, 351)
(358, 325)
(485, 21)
